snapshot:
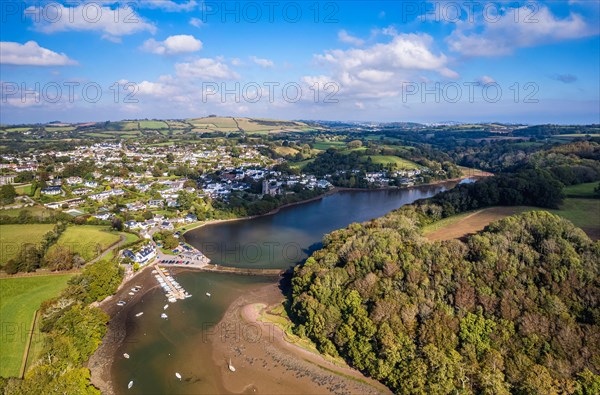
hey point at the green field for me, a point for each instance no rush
(325, 145)
(153, 125)
(23, 189)
(395, 160)
(13, 236)
(582, 190)
(19, 298)
(59, 128)
(8, 130)
(584, 213)
(36, 211)
(88, 241)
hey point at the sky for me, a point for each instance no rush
(409, 61)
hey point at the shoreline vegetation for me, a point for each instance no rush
(100, 363)
(330, 192)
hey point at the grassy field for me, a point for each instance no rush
(583, 213)
(471, 222)
(585, 191)
(23, 189)
(87, 240)
(286, 151)
(13, 236)
(153, 125)
(19, 298)
(395, 160)
(325, 145)
(36, 211)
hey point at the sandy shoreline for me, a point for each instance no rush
(281, 366)
(267, 361)
(101, 361)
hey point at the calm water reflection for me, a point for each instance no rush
(291, 235)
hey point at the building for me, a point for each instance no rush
(143, 256)
(270, 188)
(7, 179)
(52, 191)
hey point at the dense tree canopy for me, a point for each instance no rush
(514, 309)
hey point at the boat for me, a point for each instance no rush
(126, 355)
(131, 293)
(163, 315)
(165, 307)
(231, 366)
(172, 299)
(130, 385)
(178, 375)
(139, 314)
(208, 294)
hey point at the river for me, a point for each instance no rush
(161, 347)
(288, 237)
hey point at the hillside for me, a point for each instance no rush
(514, 309)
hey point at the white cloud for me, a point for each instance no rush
(170, 5)
(173, 45)
(31, 54)
(380, 70)
(112, 23)
(236, 62)
(196, 22)
(206, 68)
(262, 62)
(516, 28)
(486, 79)
(345, 37)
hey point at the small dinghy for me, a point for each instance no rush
(164, 316)
(178, 375)
(126, 355)
(130, 385)
(208, 294)
(139, 314)
(131, 293)
(231, 367)
(165, 307)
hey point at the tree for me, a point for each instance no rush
(7, 194)
(60, 258)
(117, 224)
(354, 144)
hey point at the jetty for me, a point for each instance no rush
(172, 289)
(243, 270)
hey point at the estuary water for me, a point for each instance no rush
(289, 236)
(159, 348)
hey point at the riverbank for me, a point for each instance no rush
(330, 192)
(101, 361)
(267, 361)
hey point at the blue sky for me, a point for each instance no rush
(424, 61)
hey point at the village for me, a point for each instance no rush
(159, 192)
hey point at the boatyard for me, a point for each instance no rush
(170, 286)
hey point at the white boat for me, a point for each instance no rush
(172, 299)
(178, 375)
(130, 385)
(139, 314)
(126, 355)
(165, 307)
(163, 315)
(231, 366)
(131, 293)
(208, 294)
